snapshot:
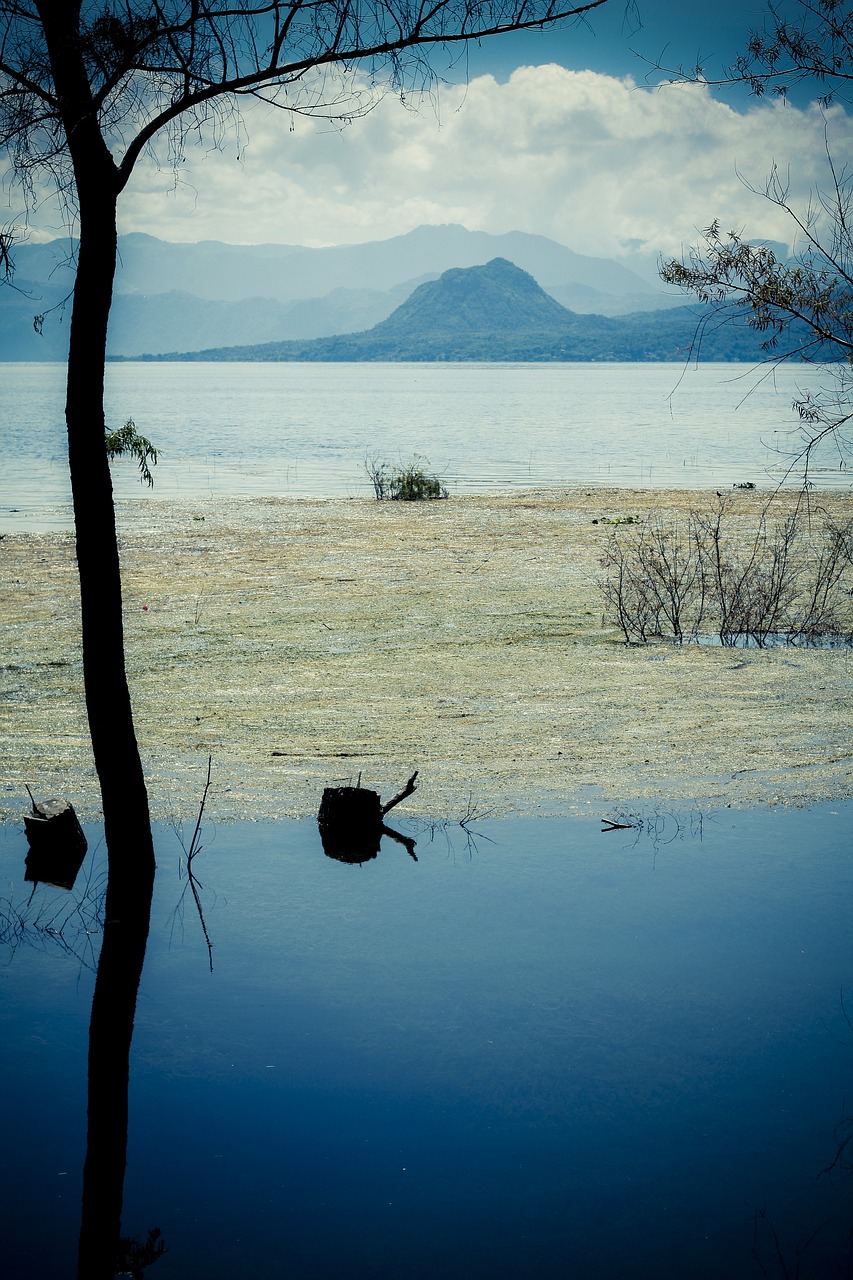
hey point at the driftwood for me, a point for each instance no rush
(57, 844)
(351, 822)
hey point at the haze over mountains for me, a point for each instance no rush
(190, 297)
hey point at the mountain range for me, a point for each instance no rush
(190, 297)
(499, 312)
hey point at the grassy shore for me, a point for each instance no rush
(302, 643)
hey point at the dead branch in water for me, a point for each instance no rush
(401, 795)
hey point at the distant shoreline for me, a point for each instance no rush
(218, 356)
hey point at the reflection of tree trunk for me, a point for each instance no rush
(110, 1034)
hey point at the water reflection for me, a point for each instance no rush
(775, 640)
(504, 1064)
(361, 846)
(101, 1248)
(54, 859)
(655, 826)
(67, 922)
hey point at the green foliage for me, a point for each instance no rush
(126, 442)
(412, 484)
(408, 483)
(801, 309)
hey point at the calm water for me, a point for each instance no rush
(541, 1052)
(305, 430)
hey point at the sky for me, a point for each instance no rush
(566, 134)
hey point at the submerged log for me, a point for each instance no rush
(351, 822)
(57, 844)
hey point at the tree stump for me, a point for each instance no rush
(351, 822)
(350, 807)
(57, 844)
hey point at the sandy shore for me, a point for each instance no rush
(302, 643)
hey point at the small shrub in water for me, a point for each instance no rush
(409, 483)
(413, 484)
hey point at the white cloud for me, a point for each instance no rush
(588, 159)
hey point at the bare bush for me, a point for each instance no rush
(654, 583)
(788, 577)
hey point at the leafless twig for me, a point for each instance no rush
(195, 848)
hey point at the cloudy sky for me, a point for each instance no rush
(567, 134)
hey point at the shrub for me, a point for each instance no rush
(409, 483)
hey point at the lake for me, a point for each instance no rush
(537, 1051)
(305, 430)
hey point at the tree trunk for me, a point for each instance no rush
(108, 705)
(351, 823)
(125, 800)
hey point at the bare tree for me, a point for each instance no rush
(86, 86)
(784, 577)
(803, 305)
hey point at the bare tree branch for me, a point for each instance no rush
(808, 298)
(165, 67)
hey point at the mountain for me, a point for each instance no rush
(498, 312)
(496, 298)
(181, 296)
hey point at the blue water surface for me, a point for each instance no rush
(305, 430)
(539, 1050)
